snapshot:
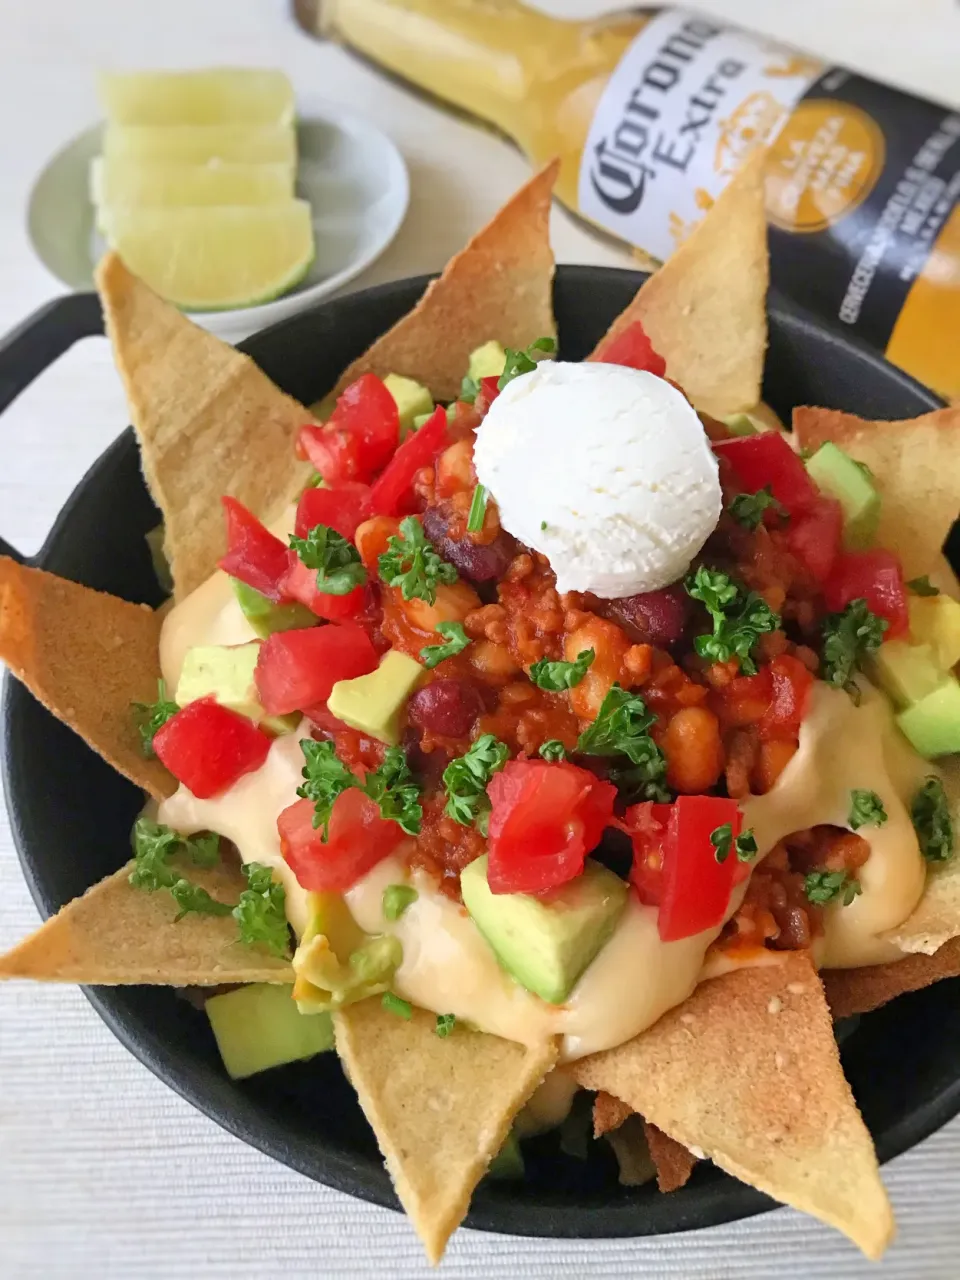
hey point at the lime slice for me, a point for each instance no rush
(206, 259)
(121, 182)
(222, 96)
(194, 144)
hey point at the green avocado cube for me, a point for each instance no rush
(226, 672)
(935, 620)
(546, 943)
(266, 617)
(933, 724)
(413, 399)
(487, 361)
(260, 1026)
(906, 672)
(372, 703)
(839, 476)
(740, 424)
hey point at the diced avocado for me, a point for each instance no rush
(507, 1164)
(487, 361)
(933, 723)
(935, 620)
(740, 424)
(260, 1026)
(837, 475)
(372, 703)
(413, 399)
(266, 617)
(420, 419)
(325, 982)
(751, 421)
(906, 672)
(546, 943)
(225, 672)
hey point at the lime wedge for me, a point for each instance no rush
(194, 144)
(123, 182)
(207, 259)
(221, 96)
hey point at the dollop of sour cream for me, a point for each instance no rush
(605, 470)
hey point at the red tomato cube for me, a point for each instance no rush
(766, 461)
(253, 555)
(875, 576)
(395, 484)
(360, 436)
(633, 348)
(300, 583)
(358, 839)
(696, 887)
(208, 747)
(297, 669)
(341, 508)
(814, 537)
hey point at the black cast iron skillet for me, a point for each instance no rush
(71, 823)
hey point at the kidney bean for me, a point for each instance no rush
(447, 707)
(473, 561)
(653, 617)
(794, 932)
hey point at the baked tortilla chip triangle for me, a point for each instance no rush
(440, 1107)
(747, 1070)
(116, 935)
(208, 420)
(916, 466)
(500, 286)
(851, 991)
(674, 1163)
(705, 309)
(86, 656)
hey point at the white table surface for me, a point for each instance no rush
(103, 1171)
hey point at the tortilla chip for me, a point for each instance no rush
(116, 935)
(634, 1162)
(747, 1070)
(440, 1108)
(705, 309)
(674, 1163)
(609, 1113)
(500, 286)
(916, 465)
(208, 421)
(86, 656)
(851, 991)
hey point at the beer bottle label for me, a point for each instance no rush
(863, 181)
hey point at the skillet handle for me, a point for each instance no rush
(34, 345)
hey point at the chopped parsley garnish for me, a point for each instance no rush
(922, 587)
(260, 912)
(152, 716)
(445, 1024)
(557, 676)
(543, 525)
(469, 389)
(337, 561)
(393, 1004)
(748, 508)
(866, 810)
(932, 822)
(396, 898)
(395, 790)
(739, 618)
(620, 729)
(849, 638)
(325, 778)
(456, 641)
(478, 509)
(723, 841)
(153, 847)
(553, 751)
(465, 780)
(822, 887)
(412, 564)
(523, 361)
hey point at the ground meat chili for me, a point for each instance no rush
(722, 732)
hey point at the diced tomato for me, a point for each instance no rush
(814, 537)
(875, 576)
(646, 825)
(791, 683)
(208, 747)
(360, 435)
(765, 460)
(300, 583)
(633, 348)
(696, 887)
(395, 482)
(545, 819)
(358, 839)
(341, 508)
(297, 669)
(254, 555)
(486, 395)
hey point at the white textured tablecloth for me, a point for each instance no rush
(103, 1171)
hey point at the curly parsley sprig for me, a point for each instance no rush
(849, 638)
(739, 617)
(396, 791)
(621, 729)
(932, 821)
(456, 641)
(822, 887)
(151, 716)
(466, 778)
(325, 778)
(524, 361)
(392, 786)
(412, 563)
(261, 912)
(866, 810)
(748, 508)
(557, 676)
(337, 561)
(723, 841)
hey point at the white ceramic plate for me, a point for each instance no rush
(352, 174)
